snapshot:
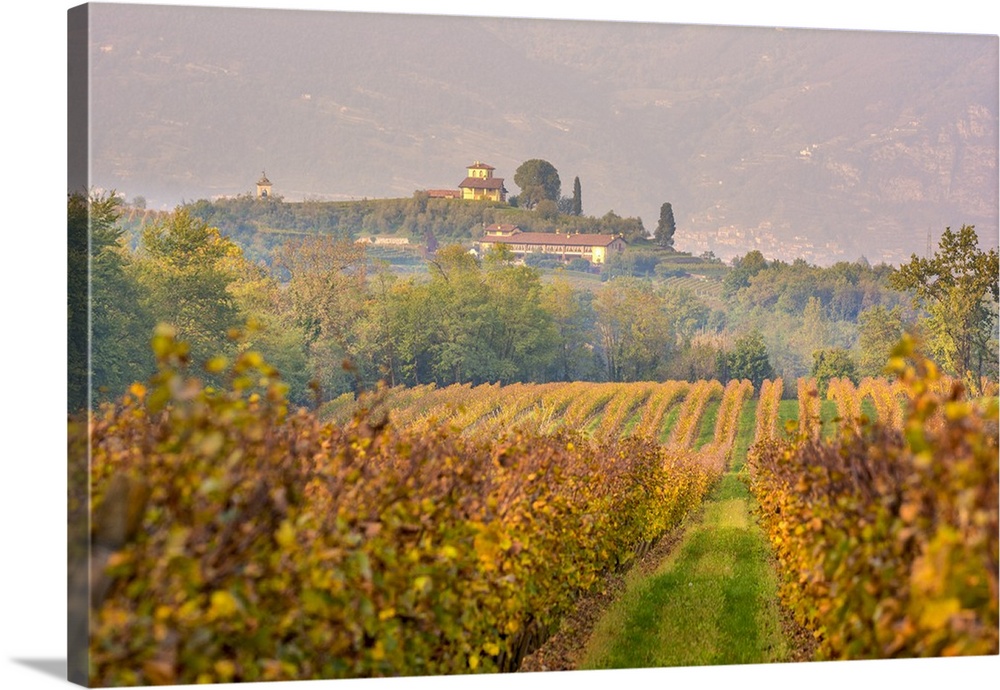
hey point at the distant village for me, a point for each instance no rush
(480, 184)
(725, 242)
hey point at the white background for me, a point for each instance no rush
(32, 333)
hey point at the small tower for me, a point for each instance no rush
(263, 187)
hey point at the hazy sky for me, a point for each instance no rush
(193, 105)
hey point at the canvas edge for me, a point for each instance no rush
(78, 372)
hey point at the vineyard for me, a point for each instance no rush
(428, 530)
(886, 531)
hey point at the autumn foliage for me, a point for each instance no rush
(266, 544)
(886, 534)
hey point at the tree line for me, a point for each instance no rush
(333, 321)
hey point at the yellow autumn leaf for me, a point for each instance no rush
(225, 669)
(222, 604)
(251, 358)
(215, 365)
(935, 614)
(285, 536)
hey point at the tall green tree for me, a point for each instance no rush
(687, 313)
(522, 338)
(572, 316)
(830, 363)
(538, 179)
(461, 316)
(665, 227)
(879, 330)
(326, 295)
(636, 335)
(78, 302)
(749, 359)
(108, 329)
(183, 269)
(744, 268)
(577, 198)
(958, 288)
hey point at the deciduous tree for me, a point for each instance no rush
(185, 278)
(108, 328)
(958, 287)
(635, 332)
(831, 363)
(749, 360)
(879, 330)
(538, 179)
(326, 297)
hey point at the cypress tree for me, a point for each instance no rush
(665, 227)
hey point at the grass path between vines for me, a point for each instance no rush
(712, 600)
(706, 594)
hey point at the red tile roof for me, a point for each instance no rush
(482, 183)
(554, 238)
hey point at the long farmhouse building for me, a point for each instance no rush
(592, 247)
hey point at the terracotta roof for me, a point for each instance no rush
(501, 227)
(263, 179)
(482, 182)
(444, 193)
(480, 166)
(554, 238)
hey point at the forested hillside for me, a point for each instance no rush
(291, 281)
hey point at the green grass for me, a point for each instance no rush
(706, 424)
(669, 420)
(788, 411)
(744, 434)
(713, 601)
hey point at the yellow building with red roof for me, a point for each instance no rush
(479, 184)
(595, 248)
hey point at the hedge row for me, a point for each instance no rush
(887, 534)
(246, 542)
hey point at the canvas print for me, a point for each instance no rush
(426, 346)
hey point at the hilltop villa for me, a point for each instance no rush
(592, 247)
(480, 184)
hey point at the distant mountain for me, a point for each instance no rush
(817, 143)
